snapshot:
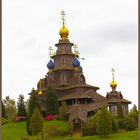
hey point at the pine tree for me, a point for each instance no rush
(21, 106)
(36, 122)
(134, 113)
(104, 122)
(120, 111)
(52, 106)
(33, 103)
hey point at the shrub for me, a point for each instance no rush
(129, 123)
(104, 122)
(63, 115)
(88, 130)
(4, 121)
(36, 122)
(120, 123)
(134, 113)
(53, 130)
(115, 125)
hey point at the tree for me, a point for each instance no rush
(21, 106)
(52, 106)
(63, 111)
(33, 103)
(89, 128)
(10, 108)
(36, 122)
(104, 122)
(129, 123)
(120, 111)
(134, 113)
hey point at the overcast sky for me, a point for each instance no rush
(105, 32)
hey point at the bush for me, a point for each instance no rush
(63, 115)
(53, 130)
(104, 122)
(88, 130)
(129, 123)
(36, 122)
(134, 113)
(115, 125)
(120, 123)
(4, 121)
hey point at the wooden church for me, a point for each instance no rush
(65, 75)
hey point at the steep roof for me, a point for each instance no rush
(116, 100)
(115, 97)
(77, 112)
(74, 96)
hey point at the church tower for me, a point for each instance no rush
(115, 97)
(63, 63)
(65, 75)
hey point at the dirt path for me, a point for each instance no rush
(77, 134)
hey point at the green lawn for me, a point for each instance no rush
(14, 131)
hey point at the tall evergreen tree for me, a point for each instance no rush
(21, 106)
(134, 113)
(52, 106)
(36, 122)
(120, 111)
(104, 122)
(33, 103)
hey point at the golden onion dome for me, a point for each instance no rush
(113, 84)
(64, 32)
(40, 92)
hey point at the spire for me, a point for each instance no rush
(113, 84)
(64, 32)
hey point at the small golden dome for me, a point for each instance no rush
(64, 32)
(40, 92)
(113, 84)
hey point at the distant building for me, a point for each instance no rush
(66, 77)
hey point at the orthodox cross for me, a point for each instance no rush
(63, 17)
(50, 51)
(113, 73)
(76, 49)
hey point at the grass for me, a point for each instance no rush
(14, 131)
